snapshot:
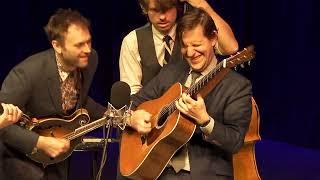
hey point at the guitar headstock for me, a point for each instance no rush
(246, 55)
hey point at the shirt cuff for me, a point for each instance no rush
(207, 130)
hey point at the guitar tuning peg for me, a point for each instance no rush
(242, 65)
(235, 68)
(249, 63)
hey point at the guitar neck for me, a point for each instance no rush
(204, 85)
(205, 81)
(211, 80)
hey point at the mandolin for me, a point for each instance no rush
(71, 127)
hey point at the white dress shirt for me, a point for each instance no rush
(130, 60)
(181, 161)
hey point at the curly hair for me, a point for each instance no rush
(60, 21)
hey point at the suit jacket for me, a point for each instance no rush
(229, 104)
(34, 86)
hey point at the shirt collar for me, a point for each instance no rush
(160, 36)
(210, 67)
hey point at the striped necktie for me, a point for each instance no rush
(167, 49)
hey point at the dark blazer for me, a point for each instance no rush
(229, 104)
(34, 86)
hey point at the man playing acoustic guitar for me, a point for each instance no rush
(222, 116)
(54, 82)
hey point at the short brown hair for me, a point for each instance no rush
(60, 21)
(162, 5)
(192, 19)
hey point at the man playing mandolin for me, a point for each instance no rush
(222, 116)
(54, 82)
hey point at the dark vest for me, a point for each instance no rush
(149, 61)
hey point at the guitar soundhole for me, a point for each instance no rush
(162, 118)
(143, 139)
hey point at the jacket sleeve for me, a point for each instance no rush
(15, 90)
(229, 132)
(152, 90)
(95, 109)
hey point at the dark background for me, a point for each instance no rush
(284, 74)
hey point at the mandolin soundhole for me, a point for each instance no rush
(83, 121)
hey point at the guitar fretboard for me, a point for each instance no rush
(245, 55)
(170, 108)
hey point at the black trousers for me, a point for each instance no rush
(17, 166)
(2, 174)
(170, 174)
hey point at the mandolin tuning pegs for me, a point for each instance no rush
(235, 68)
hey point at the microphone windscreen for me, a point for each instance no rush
(120, 94)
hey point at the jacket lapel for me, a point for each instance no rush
(54, 81)
(185, 68)
(83, 75)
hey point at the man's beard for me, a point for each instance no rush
(71, 62)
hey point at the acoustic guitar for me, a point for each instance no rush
(145, 157)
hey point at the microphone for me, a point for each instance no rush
(117, 113)
(120, 94)
(119, 107)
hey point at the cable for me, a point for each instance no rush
(105, 148)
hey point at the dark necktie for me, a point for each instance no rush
(167, 53)
(178, 165)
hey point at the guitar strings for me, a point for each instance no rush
(194, 88)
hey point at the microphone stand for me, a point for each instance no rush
(117, 119)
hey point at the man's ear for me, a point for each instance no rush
(57, 46)
(214, 39)
(144, 10)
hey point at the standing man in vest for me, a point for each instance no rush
(147, 49)
(54, 82)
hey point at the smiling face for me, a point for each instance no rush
(162, 20)
(198, 49)
(76, 48)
